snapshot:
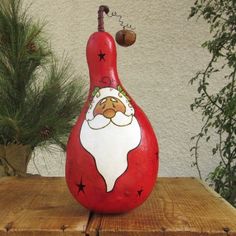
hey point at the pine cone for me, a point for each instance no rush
(46, 132)
(32, 47)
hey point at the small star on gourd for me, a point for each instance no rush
(81, 186)
(101, 56)
(140, 192)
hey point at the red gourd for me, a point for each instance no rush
(112, 151)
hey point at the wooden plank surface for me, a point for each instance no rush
(176, 207)
(39, 206)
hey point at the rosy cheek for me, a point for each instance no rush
(98, 110)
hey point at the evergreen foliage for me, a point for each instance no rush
(39, 97)
(219, 108)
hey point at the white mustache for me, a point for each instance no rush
(100, 121)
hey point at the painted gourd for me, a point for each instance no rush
(112, 151)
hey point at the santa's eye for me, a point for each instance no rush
(113, 99)
(103, 100)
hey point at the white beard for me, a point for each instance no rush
(109, 146)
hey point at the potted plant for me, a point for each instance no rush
(218, 108)
(39, 97)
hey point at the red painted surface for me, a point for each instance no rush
(85, 182)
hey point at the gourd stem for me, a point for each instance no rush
(101, 9)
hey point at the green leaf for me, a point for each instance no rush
(119, 88)
(96, 89)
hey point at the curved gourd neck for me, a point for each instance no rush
(101, 59)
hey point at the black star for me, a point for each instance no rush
(81, 186)
(140, 192)
(101, 56)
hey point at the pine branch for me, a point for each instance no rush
(39, 97)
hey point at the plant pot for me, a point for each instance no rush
(14, 159)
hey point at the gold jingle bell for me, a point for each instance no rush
(125, 37)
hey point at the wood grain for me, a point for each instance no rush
(176, 207)
(39, 206)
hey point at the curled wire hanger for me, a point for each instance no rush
(115, 14)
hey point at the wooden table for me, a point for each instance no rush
(178, 206)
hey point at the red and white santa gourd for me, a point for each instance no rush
(112, 152)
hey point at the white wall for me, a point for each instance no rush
(155, 71)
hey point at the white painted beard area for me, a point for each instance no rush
(109, 146)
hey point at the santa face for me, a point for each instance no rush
(109, 132)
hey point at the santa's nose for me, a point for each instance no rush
(109, 109)
(109, 113)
